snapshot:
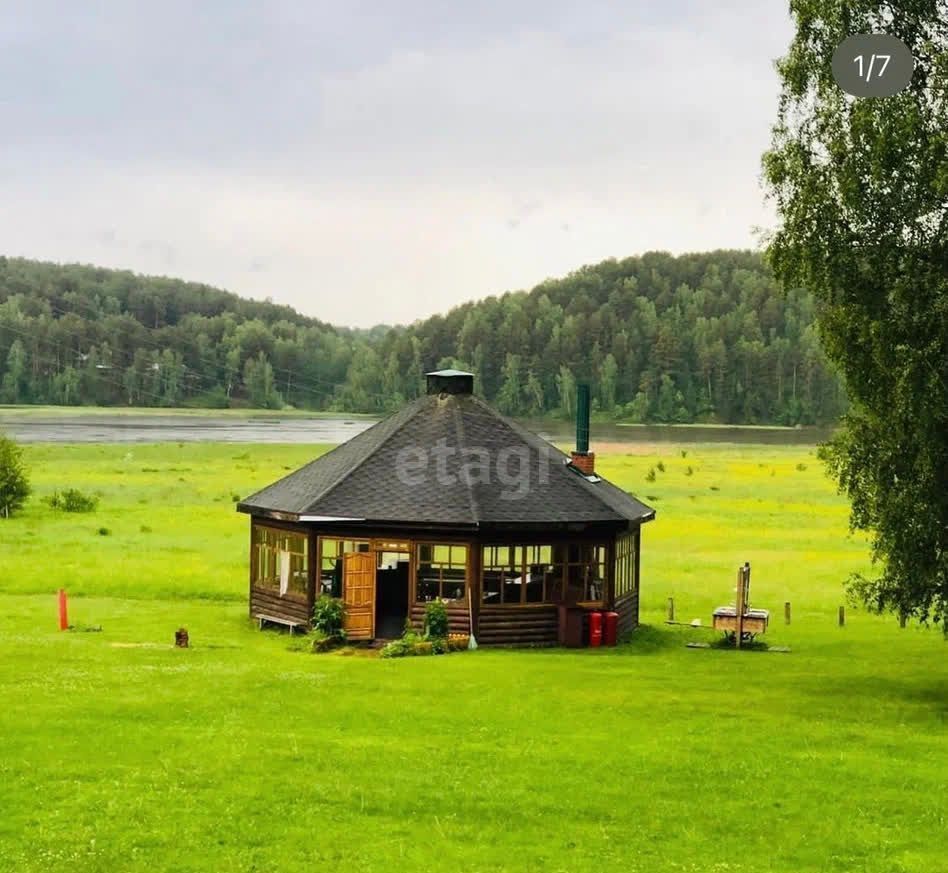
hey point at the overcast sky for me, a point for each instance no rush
(377, 161)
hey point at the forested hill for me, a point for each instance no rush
(703, 337)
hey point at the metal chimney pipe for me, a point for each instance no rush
(582, 418)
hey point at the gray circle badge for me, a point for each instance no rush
(872, 65)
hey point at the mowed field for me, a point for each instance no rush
(245, 752)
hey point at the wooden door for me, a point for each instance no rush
(358, 585)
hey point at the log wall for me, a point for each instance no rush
(267, 602)
(458, 622)
(511, 625)
(628, 608)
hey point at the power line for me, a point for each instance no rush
(68, 352)
(308, 385)
(99, 374)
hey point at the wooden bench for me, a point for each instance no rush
(276, 619)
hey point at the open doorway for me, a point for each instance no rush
(391, 594)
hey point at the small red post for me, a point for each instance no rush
(63, 619)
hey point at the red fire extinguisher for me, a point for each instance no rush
(595, 629)
(610, 633)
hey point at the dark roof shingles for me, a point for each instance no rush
(528, 480)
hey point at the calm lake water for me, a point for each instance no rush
(181, 427)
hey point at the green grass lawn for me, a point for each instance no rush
(247, 753)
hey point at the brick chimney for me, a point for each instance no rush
(583, 459)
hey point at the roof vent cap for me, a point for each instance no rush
(450, 382)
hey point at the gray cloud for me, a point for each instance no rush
(381, 154)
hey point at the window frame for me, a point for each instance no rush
(529, 556)
(624, 569)
(338, 555)
(267, 544)
(450, 563)
(555, 581)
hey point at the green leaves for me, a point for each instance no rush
(14, 482)
(860, 190)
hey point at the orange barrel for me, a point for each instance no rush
(610, 632)
(595, 629)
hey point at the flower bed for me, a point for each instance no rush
(412, 645)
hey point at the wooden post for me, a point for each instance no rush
(671, 608)
(739, 602)
(842, 616)
(63, 617)
(786, 612)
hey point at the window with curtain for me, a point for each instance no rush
(280, 560)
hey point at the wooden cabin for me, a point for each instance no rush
(447, 498)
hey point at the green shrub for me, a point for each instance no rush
(801, 467)
(14, 482)
(436, 620)
(412, 645)
(661, 466)
(689, 470)
(439, 645)
(104, 532)
(650, 475)
(73, 500)
(398, 649)
(329, 615)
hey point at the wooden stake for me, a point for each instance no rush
(671, 608)
(786, 612)
(739, 602)
(842, 616)
(63, 618)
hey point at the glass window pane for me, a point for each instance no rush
(452, 586)
(390, 560)
(428, 583)
(511, 590)
(534, 589)
(492, 586)
(281, 560)
(442, 553)
(575, 582)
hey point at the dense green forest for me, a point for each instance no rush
(702, 337)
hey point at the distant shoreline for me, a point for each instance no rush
(38, 411)
(88, 424)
